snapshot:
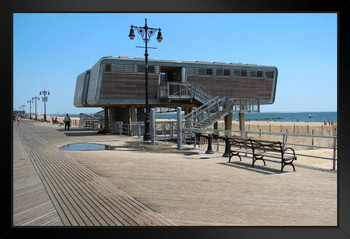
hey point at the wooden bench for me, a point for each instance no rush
(240, 146)
(272, 149)
(259, 149)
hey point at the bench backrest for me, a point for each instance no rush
(241, 143)
(264, 145)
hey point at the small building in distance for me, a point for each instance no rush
(117, 84)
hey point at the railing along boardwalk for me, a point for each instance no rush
(81, 197)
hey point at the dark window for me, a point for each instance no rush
(108, 68)
(209, 71)
(227, 72)
(201, 71)
(269, 74)
(243, 73)
(259, 73)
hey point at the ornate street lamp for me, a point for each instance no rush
(44, 92)
(30, 108)
(146, 33)
(35, 99)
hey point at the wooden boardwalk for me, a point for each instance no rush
(52, 188)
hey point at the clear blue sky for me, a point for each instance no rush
(51, 50)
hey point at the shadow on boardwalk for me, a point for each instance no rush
(258, 169)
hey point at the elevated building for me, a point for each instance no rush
(206, 91)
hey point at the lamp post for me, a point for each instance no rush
(44, 92)
(35, 99)
(146, 33)
(30, 108)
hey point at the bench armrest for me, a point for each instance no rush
(290, 149)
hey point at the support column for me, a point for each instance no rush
(242, 124)
(106, 118)
(228, 123)
(186, 110)
(111, 113)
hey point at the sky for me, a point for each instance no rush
(51, 49)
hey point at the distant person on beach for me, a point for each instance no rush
(66, 122)
(18, 120)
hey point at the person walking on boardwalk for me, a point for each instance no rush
(18, 120)
(66, 122)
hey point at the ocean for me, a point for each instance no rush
(276, 116)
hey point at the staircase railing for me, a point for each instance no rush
(208, 113)
(189, 91)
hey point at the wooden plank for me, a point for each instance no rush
(31, 203)
(79, 195)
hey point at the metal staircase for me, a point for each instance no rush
(213, 108)
(208, 113)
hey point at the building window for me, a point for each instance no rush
(201, 71)
(209, 72)
(236, 73)
(269, 74)
(252, 73)
(142, 69)
(219, 72)
(227, 72)
(259, 74)
(190, 71)
(243, 73)
(108, 68)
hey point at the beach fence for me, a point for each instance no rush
(315, 128)
(305, 145)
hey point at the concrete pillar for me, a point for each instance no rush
(111, 113)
